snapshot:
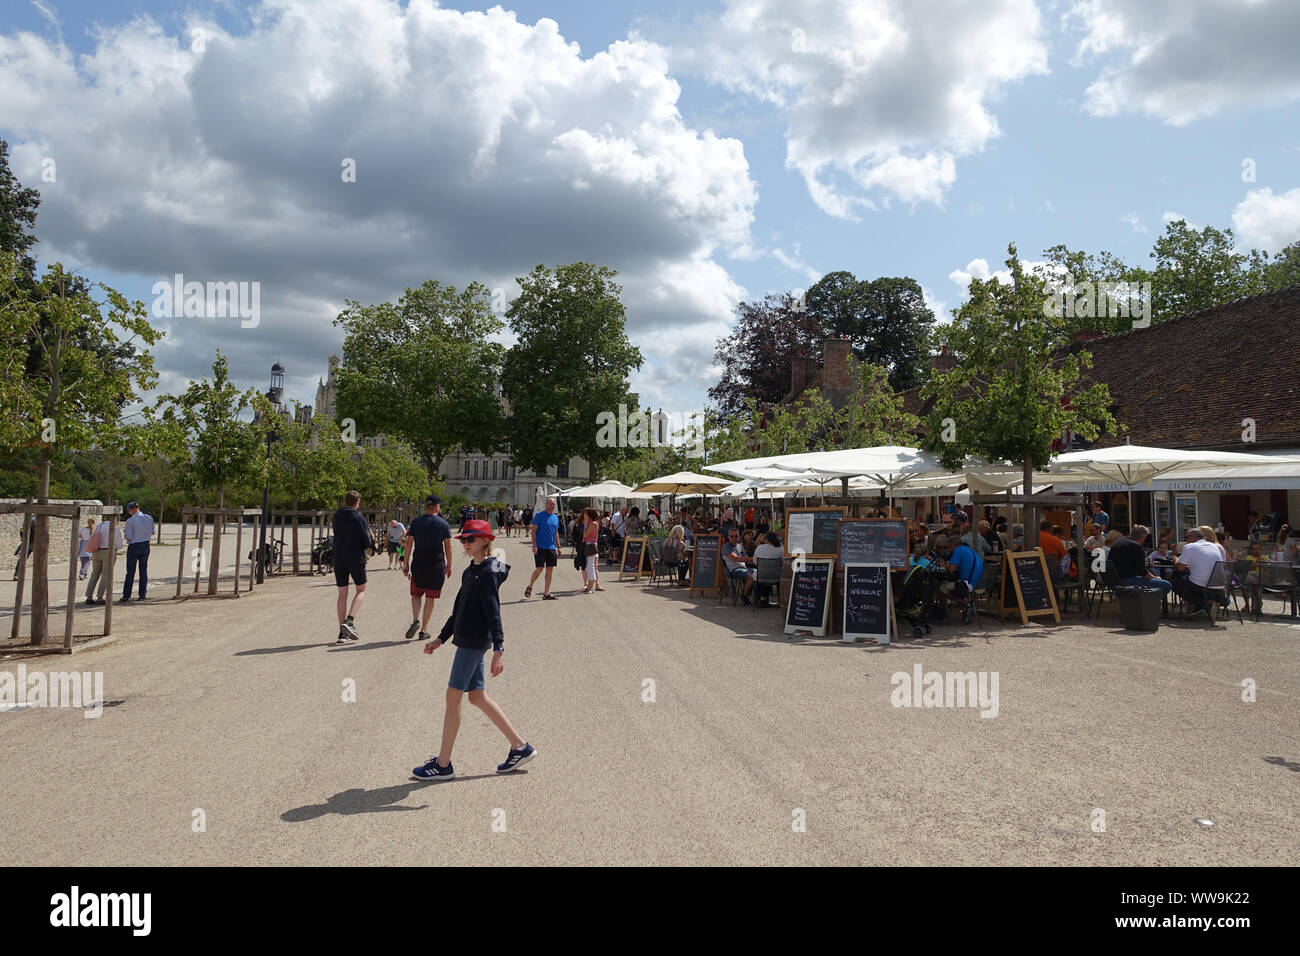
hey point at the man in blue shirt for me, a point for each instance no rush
(138, 530)
(352, 538)
(1100, 517)
(546, 548)
(968, 566)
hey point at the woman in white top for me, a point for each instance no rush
(84, 555)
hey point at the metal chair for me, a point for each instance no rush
(1107, 581)
(768, 575)
(1222, 579)
(986, 587)
(656, 559)
(1278, 579)
(734, 587)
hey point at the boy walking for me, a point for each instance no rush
(474, 623)
(351, 539)
(427, 563)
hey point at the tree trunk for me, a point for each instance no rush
(39, 562)
(214, 561)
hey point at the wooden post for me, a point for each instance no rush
(201, 521)
(252, 564)
(180, 560)
(239, 553)
(214, 562)
(295, 540)
(112, 561)
(28, 518)
(72, 578)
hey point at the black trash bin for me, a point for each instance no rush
(1139, 608)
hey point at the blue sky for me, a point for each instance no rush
(155, 153)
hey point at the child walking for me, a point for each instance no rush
(474, 623)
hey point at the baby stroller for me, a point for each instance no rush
(912, 597)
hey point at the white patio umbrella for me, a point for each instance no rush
(1138, 464)
(604, 489)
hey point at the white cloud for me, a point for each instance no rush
(881, 97)
(483, 146)
(1183, 60)
(1267, 221)
(979, 269)
(1133, 220)
(1169, 216)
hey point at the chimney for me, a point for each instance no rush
(835, 365)
(798, 375)
(943, 362)
(1086, 335)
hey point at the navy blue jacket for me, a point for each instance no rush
(351, 537)
(476, 616)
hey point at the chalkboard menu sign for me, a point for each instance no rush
(810, 598)
(814, 531)
(873, 541)
(633, 557)
(704, 563)
(1026, 585)
(866, 602)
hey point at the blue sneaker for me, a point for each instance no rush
(434, 771)
(517, 758)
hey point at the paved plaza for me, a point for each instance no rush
(1106, 746)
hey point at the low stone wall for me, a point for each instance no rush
(11, 530)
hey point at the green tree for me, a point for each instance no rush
(227, 452)
(1197, 270)
(62, 390)
(310, 463)
(1004, 398)
(18, 207)
(389, 475)
(885, 319)
(570, 363)
(423, 370)
(1082, 276)
(1282, 270)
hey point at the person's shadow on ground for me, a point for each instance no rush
(356, 800)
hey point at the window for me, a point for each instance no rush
(474, 470)
(562, 470)
(494, 469)
(466, 467)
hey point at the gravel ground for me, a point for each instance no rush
(236, 709)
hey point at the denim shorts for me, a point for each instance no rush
(467, 669)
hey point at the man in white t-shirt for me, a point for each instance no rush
(1198, 558)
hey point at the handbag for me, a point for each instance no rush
(590, 549)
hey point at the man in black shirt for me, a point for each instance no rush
(351, 540)
(427, 564)
(1130, 561)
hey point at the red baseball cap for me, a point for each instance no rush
(476, 529)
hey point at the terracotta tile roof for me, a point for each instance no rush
(1188, 382)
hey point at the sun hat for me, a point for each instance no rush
(476, 529)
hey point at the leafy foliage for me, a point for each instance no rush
(570, 363)
(423, 370)
(1004, 398)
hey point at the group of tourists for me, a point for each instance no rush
(473, 626)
